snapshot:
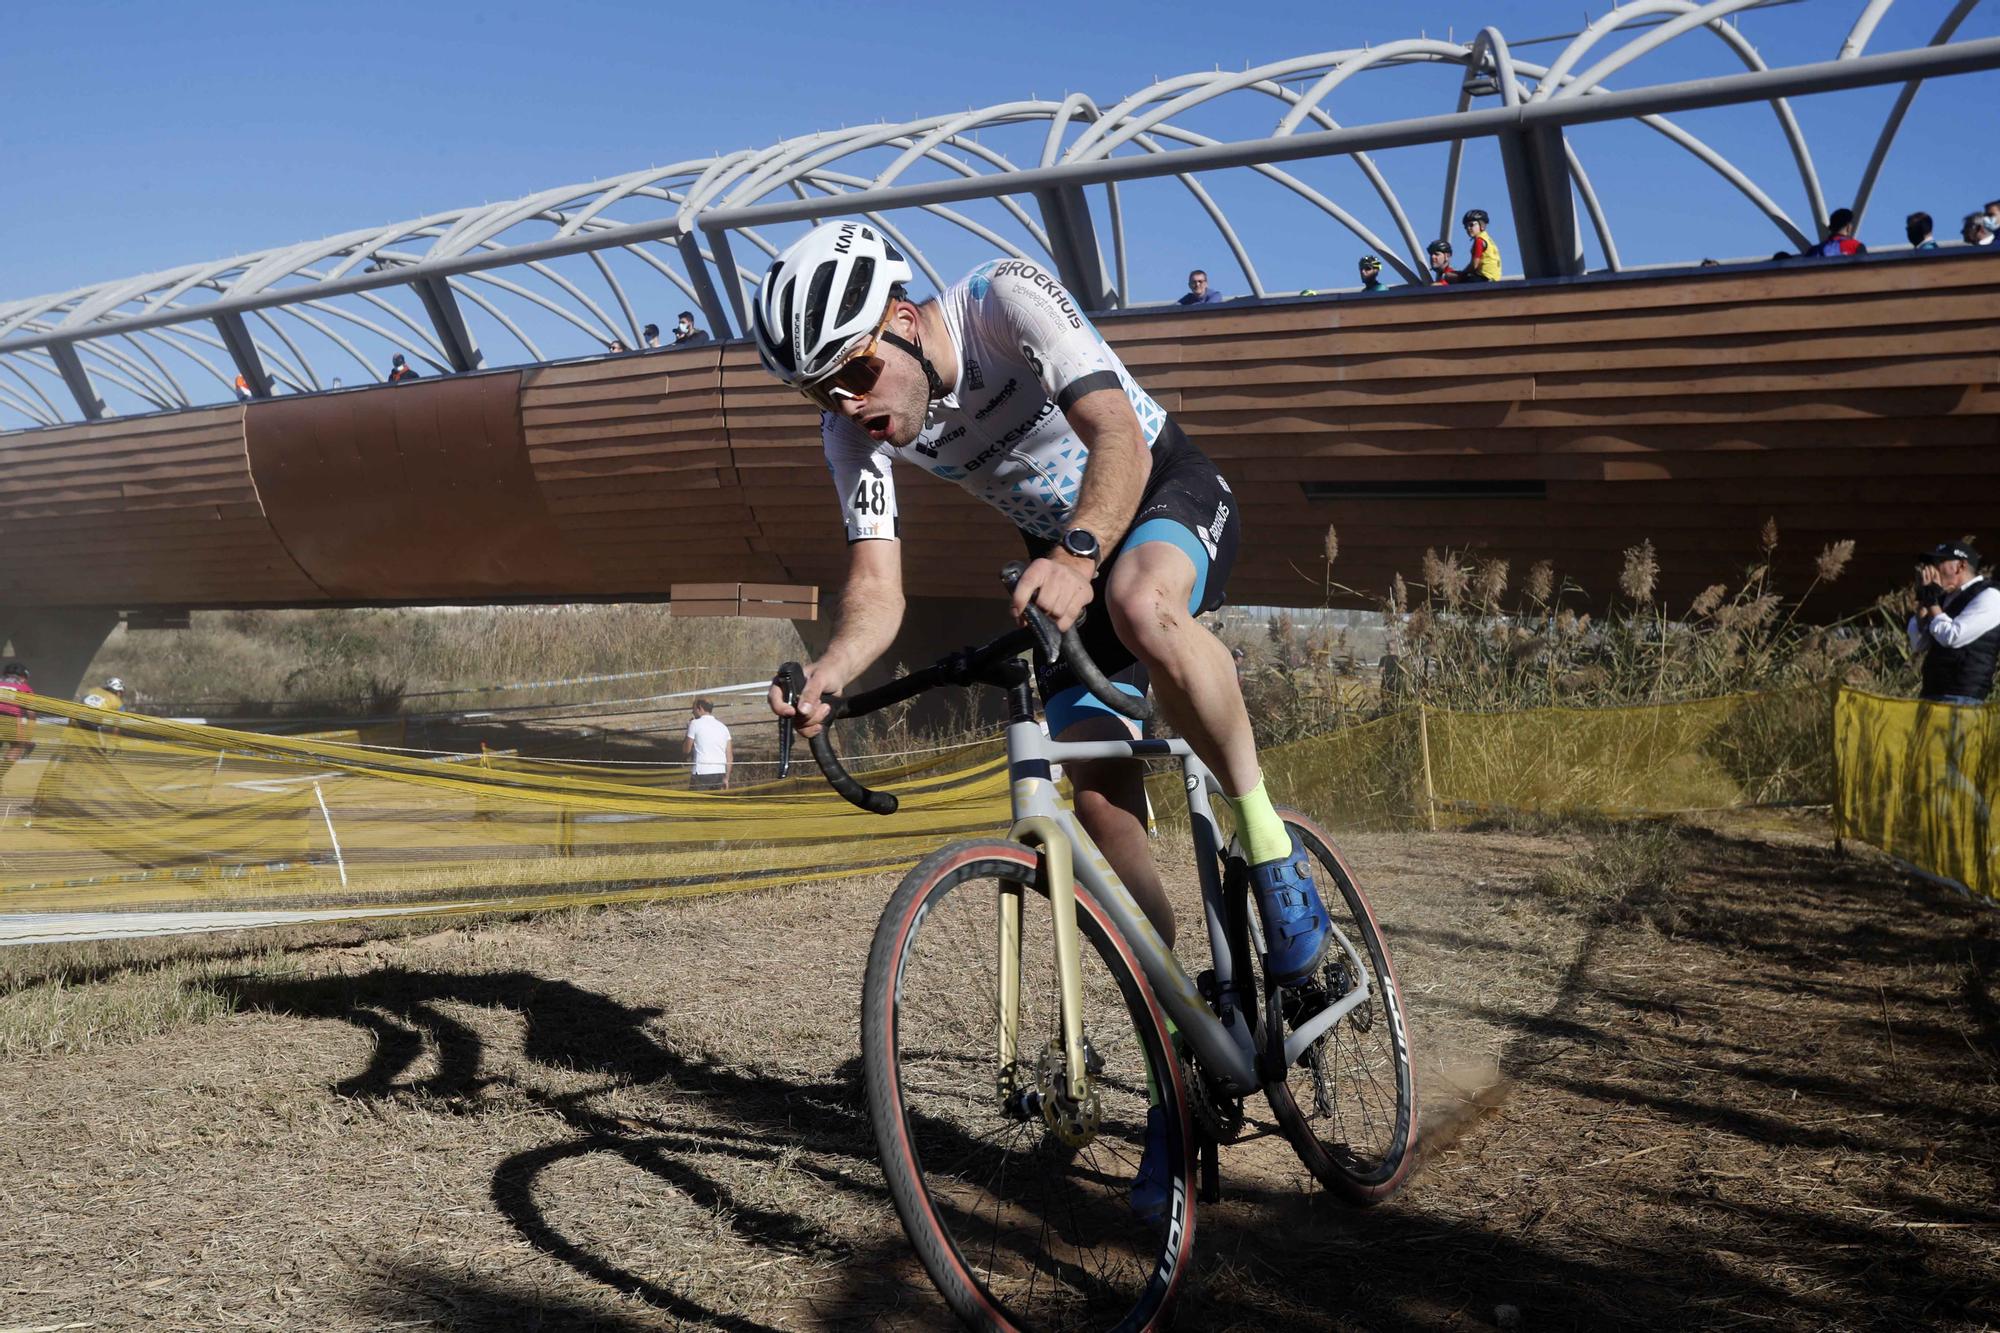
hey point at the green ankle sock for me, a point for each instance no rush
(1257, 824)
(1152, 1083)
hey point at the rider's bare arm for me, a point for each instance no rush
(1113, 482)
(871, 611)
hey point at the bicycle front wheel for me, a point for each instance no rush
(1021, 1215)
(1348, 1103)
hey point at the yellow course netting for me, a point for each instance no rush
(1430, 765)
(119, 812)
(1919, 780)
(160, 814)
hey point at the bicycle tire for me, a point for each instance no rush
(1360, 1051)
(1016, 1229)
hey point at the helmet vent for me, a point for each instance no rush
(816, 293)
(859, 279)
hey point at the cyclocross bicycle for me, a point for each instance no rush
(1018, 1023)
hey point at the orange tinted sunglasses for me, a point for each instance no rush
(854, 376)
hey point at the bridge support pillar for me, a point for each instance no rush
(932, 627)
(1538, 183)
(56, 643)
(1073, 242)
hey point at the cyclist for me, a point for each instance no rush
(17, 736)
(109, 696)
(1000, 384)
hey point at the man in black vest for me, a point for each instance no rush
(1957, 625)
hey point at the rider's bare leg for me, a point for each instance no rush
(1111, 805)
(1193, 674)
(1195, 679)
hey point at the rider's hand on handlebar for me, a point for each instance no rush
(811, 710)
(1059, 584)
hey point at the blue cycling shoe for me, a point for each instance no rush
(1153, 1188)
(1295, 921)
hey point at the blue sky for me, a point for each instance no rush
(142, 135)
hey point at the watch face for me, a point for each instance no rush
(1080, 543)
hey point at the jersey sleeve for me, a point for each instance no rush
(1051, 333)
(862, 482)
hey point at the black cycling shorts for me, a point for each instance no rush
(1188, 505)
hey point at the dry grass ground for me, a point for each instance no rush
(1751, 1085)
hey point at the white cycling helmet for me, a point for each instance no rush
(823, 297)
(115, 685)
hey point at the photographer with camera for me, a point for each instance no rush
(1957, 625)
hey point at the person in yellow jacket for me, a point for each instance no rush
(110, 696)
(1484, 265)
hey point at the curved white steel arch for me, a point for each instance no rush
(678, 220)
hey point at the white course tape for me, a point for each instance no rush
(67, 927)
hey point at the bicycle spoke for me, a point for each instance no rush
(1349, 1103)
(1043, 1227)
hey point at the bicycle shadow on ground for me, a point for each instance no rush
(739, 1124)
(1762, 1099)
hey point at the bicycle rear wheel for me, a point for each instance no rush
(1016, 1226)
(1348, 1103)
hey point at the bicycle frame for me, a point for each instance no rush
(1230, 1051)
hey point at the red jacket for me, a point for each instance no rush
(8, 708)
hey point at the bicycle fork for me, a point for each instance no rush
(1073, 1113)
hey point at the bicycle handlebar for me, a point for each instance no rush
(1070, 647)
(964, 667)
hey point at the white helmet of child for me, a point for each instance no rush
(823, 297)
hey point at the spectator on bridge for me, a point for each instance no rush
(1975, 232)
(1371, 274)
(1483, 265)
(685, 333)
(1199, 292)
(242, 388)
(1440, 260)
(1917, 227)
(650, 335)
(616, 346)
(1840, 242)
(1990, 216)
(709, 747)
(400, 370)
(1957, 625)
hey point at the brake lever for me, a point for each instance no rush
(1047, 637)
(791, 678)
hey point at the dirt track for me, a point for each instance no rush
(1762, 1096)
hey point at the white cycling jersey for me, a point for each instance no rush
(1025, 353)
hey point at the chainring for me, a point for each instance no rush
(1216, 1114)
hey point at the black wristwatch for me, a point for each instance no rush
(1082, 543)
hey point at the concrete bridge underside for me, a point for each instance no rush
(1563, 421)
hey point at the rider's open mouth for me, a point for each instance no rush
(877, 426)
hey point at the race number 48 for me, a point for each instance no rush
(871, 497)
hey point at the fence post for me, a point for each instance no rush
(1833, 739)
(1424, 751)
(332, 837)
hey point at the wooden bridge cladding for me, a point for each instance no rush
(1849, 400)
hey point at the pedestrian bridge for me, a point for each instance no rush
(1562, 420)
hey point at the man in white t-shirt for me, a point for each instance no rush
(708, 744)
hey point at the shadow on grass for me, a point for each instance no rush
(571, 1029)
(1662, 1251)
